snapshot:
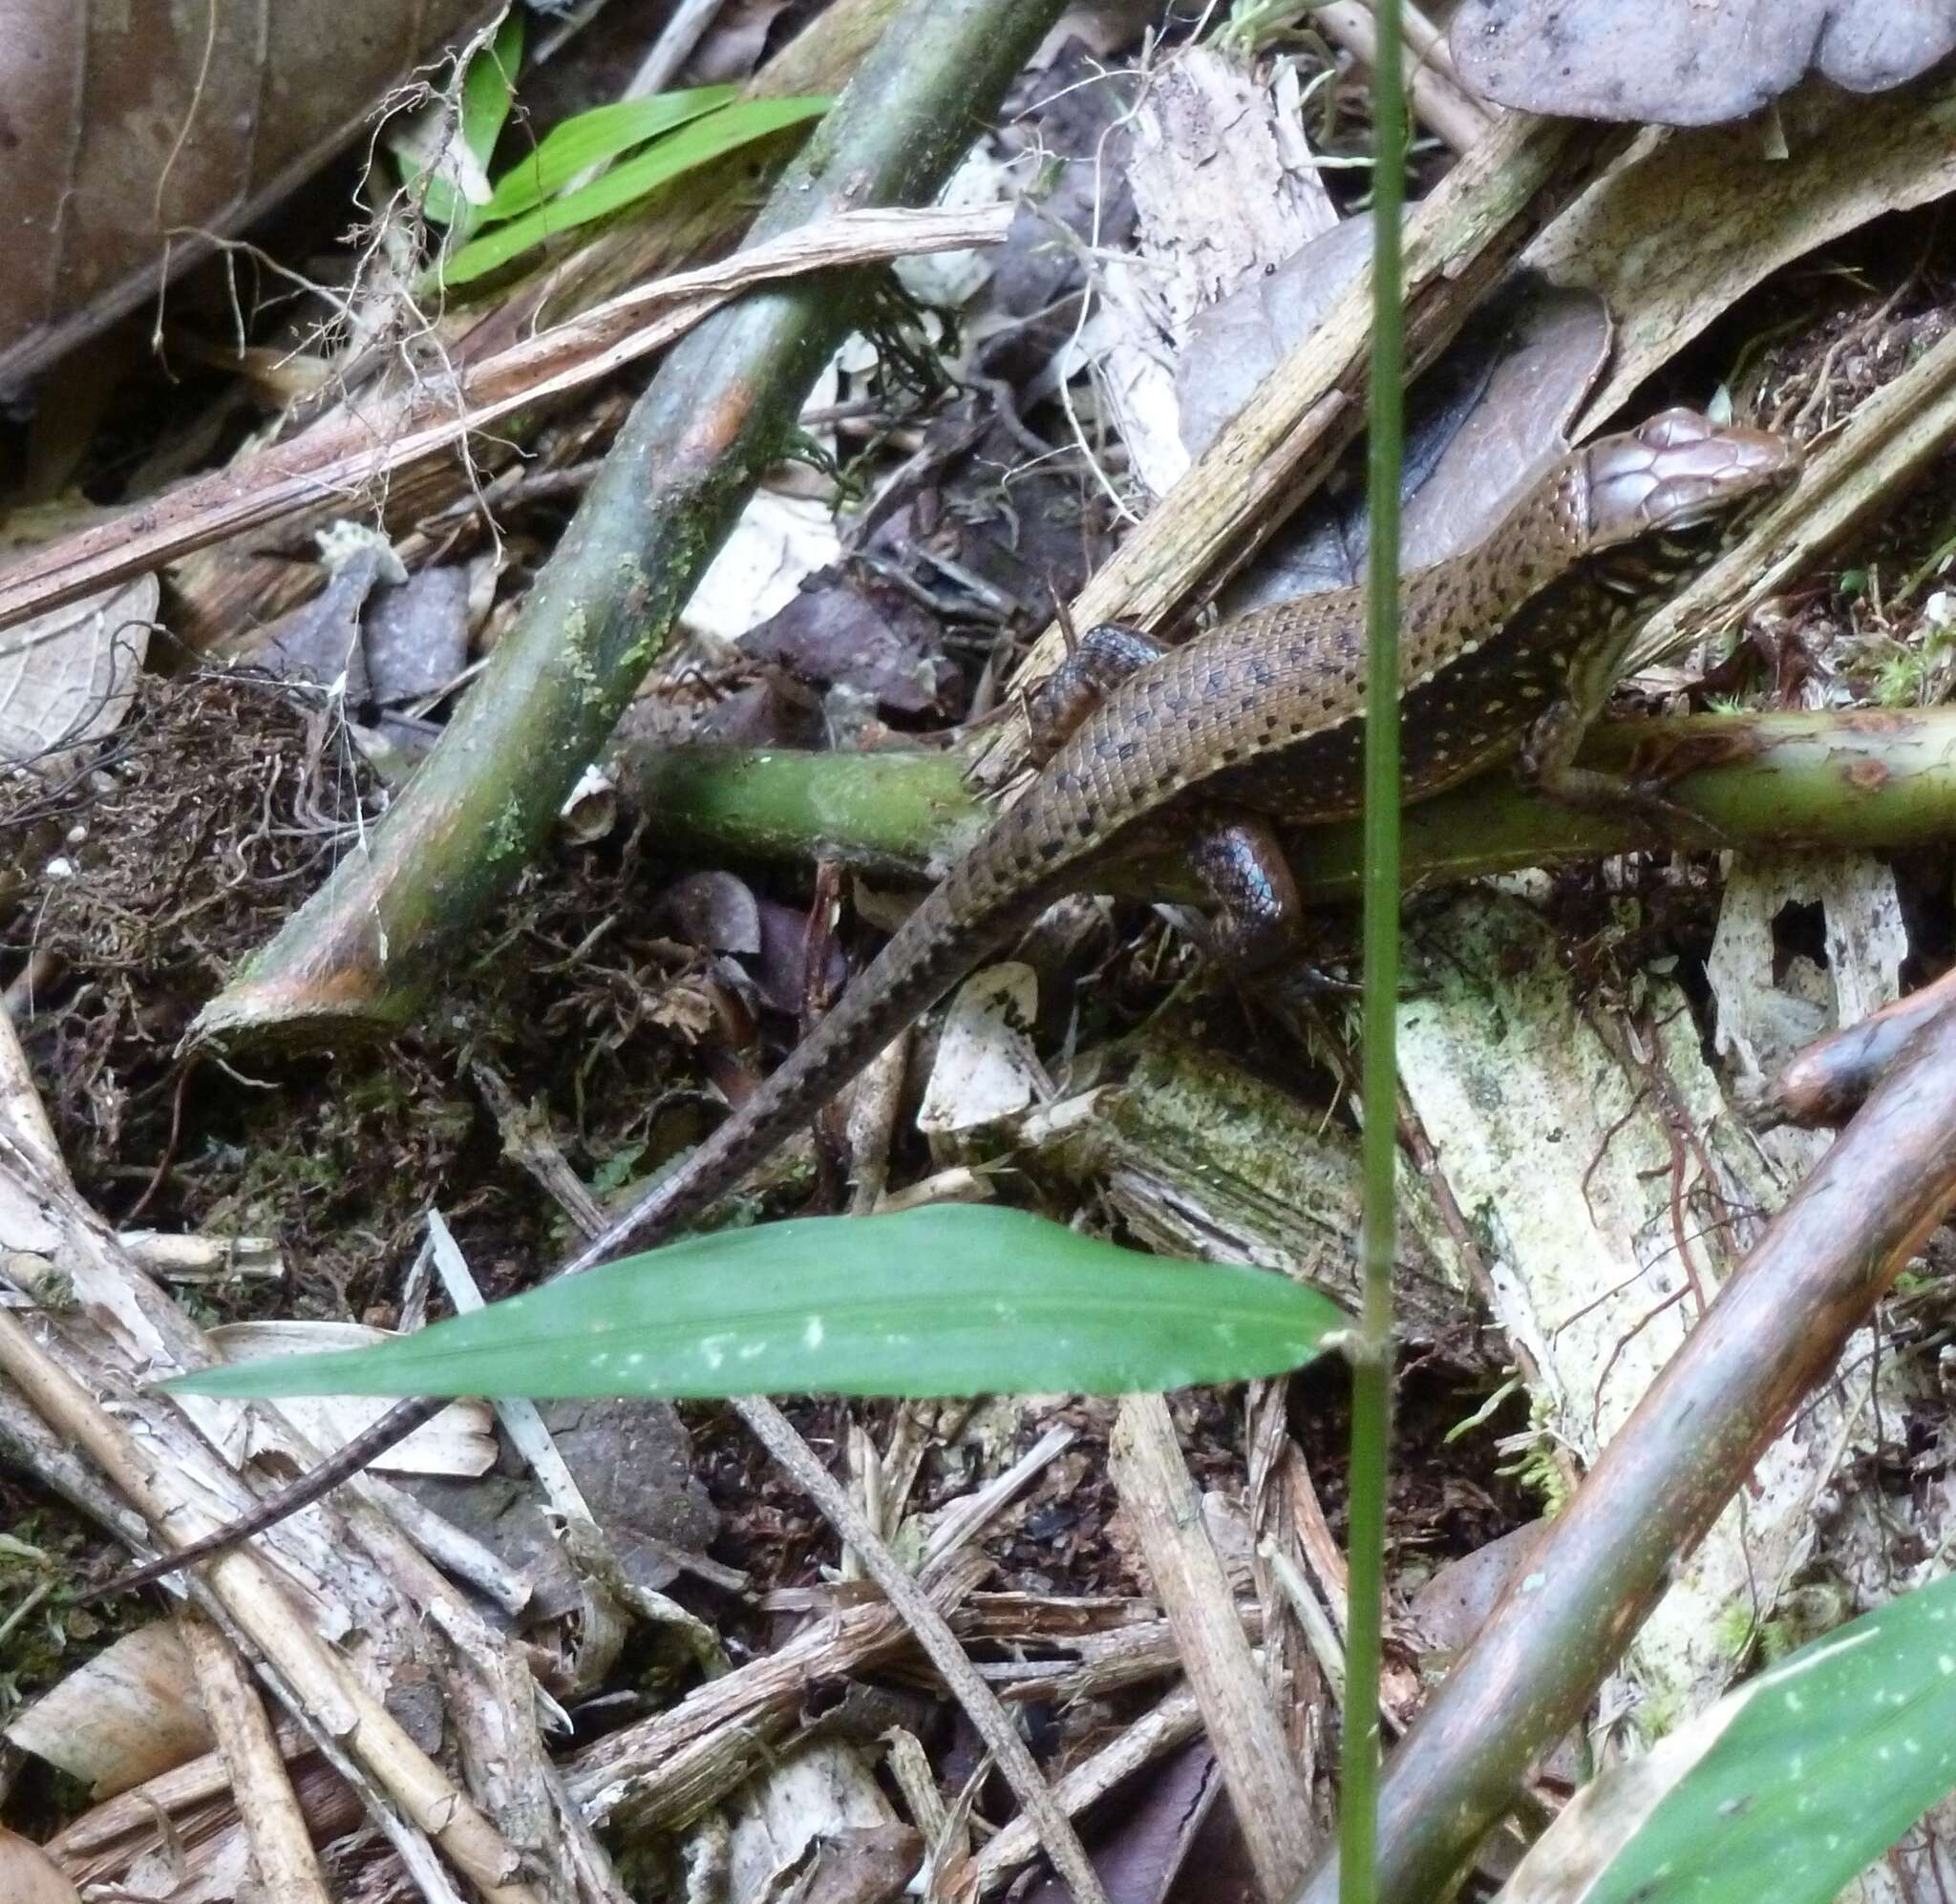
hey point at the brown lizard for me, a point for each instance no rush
(1509, 650)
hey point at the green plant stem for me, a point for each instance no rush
(1372, 1344)
(1865, 780)
(358, 956)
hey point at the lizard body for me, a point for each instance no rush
(1507, 649)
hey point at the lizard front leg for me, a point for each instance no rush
(1548, 760)
(1105, 657)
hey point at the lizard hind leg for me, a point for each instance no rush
(1104, 656)
(1258, 917)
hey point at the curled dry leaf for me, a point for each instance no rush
(67, 676)
(986, 1065)
(138, 135)
(716, 911)
(124, 1716)
(1681, 63)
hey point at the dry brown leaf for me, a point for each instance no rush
(137, 135)
(1681, 63)
(27, 1877)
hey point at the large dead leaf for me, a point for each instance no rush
(1684, 63)
(67, 676)
(27, 1877)
(137, 135)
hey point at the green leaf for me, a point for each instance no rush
(950, 1301)
(488, 88)
(705, 139)
(591, 138)
(1784, 1789)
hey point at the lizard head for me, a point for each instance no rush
(1680, 478)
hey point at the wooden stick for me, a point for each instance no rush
(280, 1845)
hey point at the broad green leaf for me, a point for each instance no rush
(591, 138)
(488, 88)
(705, 139)
(953, 1300)
(1786, 1788)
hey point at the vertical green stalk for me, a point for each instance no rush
(1370, 1351)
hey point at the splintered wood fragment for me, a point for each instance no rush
(363, 445)
(992, 1722)
(663, 1772)
(1741, 213)
(108, 1838)
(1296, 1684)
(1265, 1788)
(280, 1845)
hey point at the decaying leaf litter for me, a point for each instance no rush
(589, 969)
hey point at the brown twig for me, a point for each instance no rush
(1272, 1807)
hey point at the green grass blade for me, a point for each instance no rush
(488, 89)
(1370, 1349)
(591, 138)
(705, 139)
(489, 86)
(953, 1300)
(1787, 1789)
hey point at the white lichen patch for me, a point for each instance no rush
(1612, 1189)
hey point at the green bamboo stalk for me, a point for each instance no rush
(1867, 780)
(1369, 1351)
(357, 956)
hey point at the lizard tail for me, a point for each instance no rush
(941, 941)
(953, 929)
